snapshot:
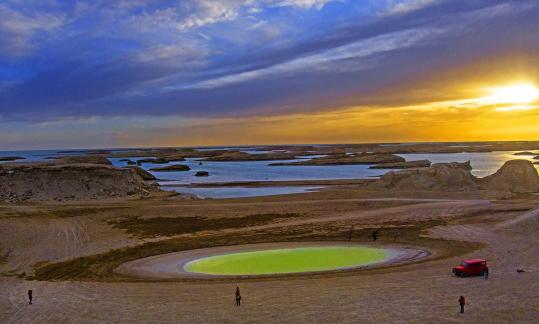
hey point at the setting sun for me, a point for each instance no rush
(256, 161)
(520, 93)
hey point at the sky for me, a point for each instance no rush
(134, 73)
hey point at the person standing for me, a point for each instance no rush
(375, 235)
(30, 296)
(462, 302)
(238, 296)
(486, 273)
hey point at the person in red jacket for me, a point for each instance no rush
(462, 302)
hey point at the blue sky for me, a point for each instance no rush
(109, 73)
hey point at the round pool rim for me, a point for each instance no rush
(171, 265)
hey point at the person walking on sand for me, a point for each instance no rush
(486, 273)
(30, 296)
(238, 296)
(462, 302)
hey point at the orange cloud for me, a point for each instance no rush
(430, 122)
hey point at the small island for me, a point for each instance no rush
(242, 156)
(11, 158)
(172, 168)
(343, 159)
(526, 153)
(402, 165)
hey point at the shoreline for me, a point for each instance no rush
(172, 265)
(276, 183)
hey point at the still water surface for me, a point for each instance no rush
(483, 164)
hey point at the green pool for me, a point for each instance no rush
(290, 260)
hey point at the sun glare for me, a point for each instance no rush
(518, 94)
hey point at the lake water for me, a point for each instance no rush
(256, 171)
(483, 164)
(233, 171)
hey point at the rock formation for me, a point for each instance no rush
(82, 159)
(170, 154)
(525, 153)
(515, 176)
(402, 165)
(153, 161)
(242, 156)
(128, 161)
(438, 177)
(145, 175)
(172, 168)
(343, 159)
(518, 176)
(60, 182)
(202, 174)
(11, 158)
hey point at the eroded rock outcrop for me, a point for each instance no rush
(145, 175)
(518, 176)
(515, 176)
(153, 161)
(438, 177)
(11, 158)
(242, 156)
(526, 153)
(61, 182)
(172, 168)
(83, 159)
(344, 159)
(402, 165)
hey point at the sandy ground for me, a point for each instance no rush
(26, 240)
(419, 292)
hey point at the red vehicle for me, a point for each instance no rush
(472, 267)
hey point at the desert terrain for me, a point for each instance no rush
(66, 244)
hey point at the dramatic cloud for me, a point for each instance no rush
(319, 4)
(19, 32)
(203, 60)
(399, 7)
